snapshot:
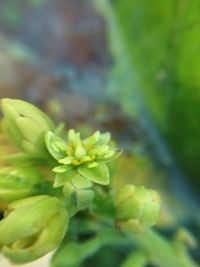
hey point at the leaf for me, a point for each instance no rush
(55, 145)
(98, 174)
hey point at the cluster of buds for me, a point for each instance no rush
(35, 217)
(34, 222)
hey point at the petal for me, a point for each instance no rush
(66, 160)
(98, 174)
(55, 145)
(61, 169)
(74, 137)
(92, 164)
(105, 159)
(91, 140)
(104, 139)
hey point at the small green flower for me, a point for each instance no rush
(32, 227)
(137, 208)
(82, 157)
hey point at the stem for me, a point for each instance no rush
(136, 259)
(161, 252)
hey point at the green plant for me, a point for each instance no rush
(57, 193)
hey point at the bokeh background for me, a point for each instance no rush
(131, 67)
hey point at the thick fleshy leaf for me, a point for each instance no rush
(98, 174)
(55, 145)
(65, 177)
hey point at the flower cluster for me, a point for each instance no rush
(36, 211)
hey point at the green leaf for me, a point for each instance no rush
(98, 174)
(55, 145)
(65, 177)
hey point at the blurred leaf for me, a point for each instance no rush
(156, 47)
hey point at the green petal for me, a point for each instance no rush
(90, 141)
(92, 164)
(74, 137)
(105, 159)
(98, 174)
(65, 177)
(104, 139)
(61, 169)
(55, 145)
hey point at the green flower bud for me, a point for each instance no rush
(17, 183)
(32, 227)
(25, 125)
(78, 193)
(137, 208)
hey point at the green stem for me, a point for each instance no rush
(136, 259)
(160, 251)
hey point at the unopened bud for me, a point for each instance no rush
(32, 227)
(137, 208)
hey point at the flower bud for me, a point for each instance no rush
(137, 208)
(25, 125)
(32, 227)
(78, 193)
(17, 183)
